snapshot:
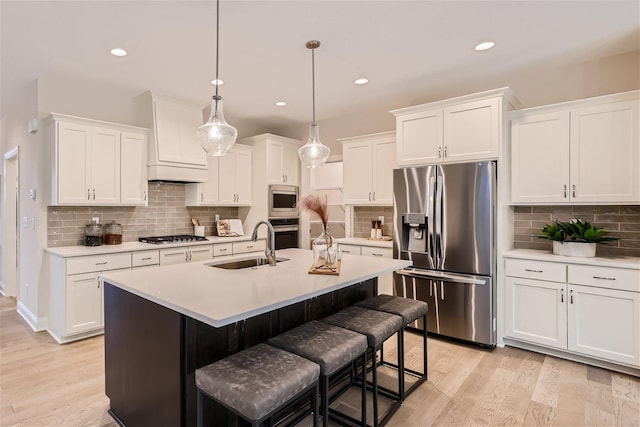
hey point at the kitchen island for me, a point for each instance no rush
(162, 324)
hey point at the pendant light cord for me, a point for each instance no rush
(313, 83)
(217, 49)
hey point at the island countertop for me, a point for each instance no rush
(219, 297)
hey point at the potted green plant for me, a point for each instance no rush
(575, 238)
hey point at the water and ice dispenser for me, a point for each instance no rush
(414, 232)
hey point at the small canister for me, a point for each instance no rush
(93, 235)
(113, 233)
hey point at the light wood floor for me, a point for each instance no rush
(46, 384)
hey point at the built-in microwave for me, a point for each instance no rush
(283, 201)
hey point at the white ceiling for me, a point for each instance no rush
(407, 49)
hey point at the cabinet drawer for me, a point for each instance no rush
(87, 264)
(222, 249)
(142, 258)
(244, 247)
(350, 249)
(605, 277)
(539, 270)
(379, 252)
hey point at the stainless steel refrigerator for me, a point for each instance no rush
(444, 222)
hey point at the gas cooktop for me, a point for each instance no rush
(179, 238)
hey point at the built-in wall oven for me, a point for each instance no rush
(283, 201)
(286, 232)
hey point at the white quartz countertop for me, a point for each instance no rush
(73, 251)
(361, 241)
(605, 261)
(220, 297)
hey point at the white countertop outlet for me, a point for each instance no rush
(219, 297)
(361, 241)
(73, 251)
(604, 261)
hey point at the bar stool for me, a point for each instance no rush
(332, 348)
(410, 310)
(378, 326)
(257, 383)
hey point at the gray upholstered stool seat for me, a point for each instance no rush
(258, 381)
(410, 310)
(378, 327)
(329, 346)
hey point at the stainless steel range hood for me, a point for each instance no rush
(174, 152)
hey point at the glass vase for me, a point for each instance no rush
(325, 251)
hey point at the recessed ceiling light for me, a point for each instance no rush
(361, 81)
(118, 52)
(218, 82)
(280, 104)
(484, 46)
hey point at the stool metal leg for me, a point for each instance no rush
(401, 363)
(314, 404)
(324, 396)
(199, 403)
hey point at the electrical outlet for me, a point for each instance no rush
(217, 218)
(381, 218)
(95, 220)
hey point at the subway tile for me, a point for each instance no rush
(595, 209)
(618, 218)
(630, 227)
(523, 209)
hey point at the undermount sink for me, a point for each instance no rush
(245, 263)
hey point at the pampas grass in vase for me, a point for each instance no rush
(325, 250)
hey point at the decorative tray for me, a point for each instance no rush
(326, 270)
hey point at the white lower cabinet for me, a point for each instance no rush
(385, 282)
(185, 254)
(588, 310)
(84, 303)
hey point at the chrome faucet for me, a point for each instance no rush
(270, 250)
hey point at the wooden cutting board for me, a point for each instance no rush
(326, 271)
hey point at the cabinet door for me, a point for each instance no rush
(605, 323)
(540, 158)
(84, 303)
(384, 161)
(173, 256)
(535, 311)
(133, 169)
(357, 173)
(419, 138)
(243, 177)
(73, 163)
(275, 162)
(201, 253)
(605, 153)
(105, 166)
(472, 131)
(209, 191)
(290, 164)
(176, 126)
(227, 178)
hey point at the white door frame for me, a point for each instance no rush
(11, 235)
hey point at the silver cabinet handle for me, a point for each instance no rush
(88, 194)
(533, 271)
(604, 278)
(249, 246)
(561, 295)
(374, 195)
(94, 194)
(345, 252)
(565, 191)
(202, 197)
(573, 190)
(145, 195)
(223, 249)
(102, 263)
(376, 254)
(369, 195)
(145, 258)
(571, 296)
(445, 151)
(439, 152)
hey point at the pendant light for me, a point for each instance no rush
(217, 136)
(314, 153)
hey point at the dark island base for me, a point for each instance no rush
(152, 352)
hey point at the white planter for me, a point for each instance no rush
(574, 249)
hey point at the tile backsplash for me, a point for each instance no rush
(621, 221)
(363, 215)
(165, 214)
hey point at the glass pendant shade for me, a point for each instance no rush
(217, 136)
(314, 153)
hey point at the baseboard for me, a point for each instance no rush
(37, 324)
(76, 337)
(574, 357)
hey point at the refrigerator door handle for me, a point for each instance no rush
(435, 275)
(438, 224)
(431, 220)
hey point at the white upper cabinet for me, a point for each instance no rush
(455, 130)
(87, 163)
(175, 153)
(234, 176)
(205, 193)
(134, 187)
(368, 163)
(580, 152)
(282, 161)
